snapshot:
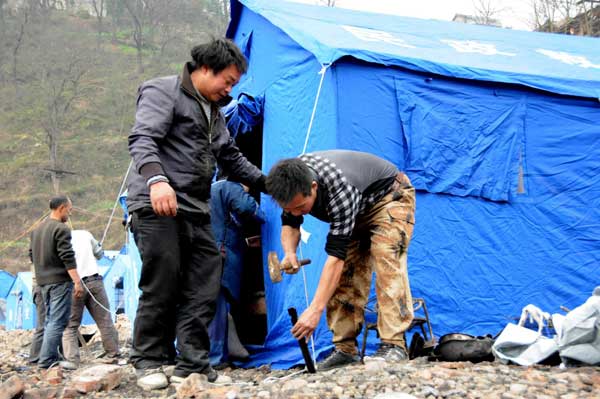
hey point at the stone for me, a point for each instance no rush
(101, 377)
(518, 389)
(53, 376)
(394, 395)
(192, 386)
(294, 384)
(11, 388)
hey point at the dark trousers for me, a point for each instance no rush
(180, 281)
(38, 335)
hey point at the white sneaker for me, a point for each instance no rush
(150, 379)
(67, 365)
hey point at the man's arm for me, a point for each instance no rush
(97, 248)
(78, 286)
(330, 278)
(290, 237)
(153, 119)
(232, 161)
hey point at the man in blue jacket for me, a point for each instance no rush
(231, 208)
(178, 138)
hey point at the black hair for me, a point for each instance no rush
(217, 55)
(288, 178)
(57, 201)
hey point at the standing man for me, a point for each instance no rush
(370, 207)
(87, 250)
(56, 274)
(178, 138)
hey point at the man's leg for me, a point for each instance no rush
(57, 298)
(345, 309)
(70, 339)
(97, 307)
(201, 270)
(38, 335)
(157, 240)
(392, 232)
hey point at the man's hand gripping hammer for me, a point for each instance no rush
(275, 269)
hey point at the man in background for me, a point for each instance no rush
(87, 251)
(56, 274)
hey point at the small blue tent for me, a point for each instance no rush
(6, 282)
(20, 309)
(499, 131)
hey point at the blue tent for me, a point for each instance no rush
(6, 282)
(499, 131)
(20, 309)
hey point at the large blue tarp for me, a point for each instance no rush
(499, 131)
(557, 63)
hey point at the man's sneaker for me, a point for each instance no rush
(390, 353)
(149, 379)
(336, 359)
(67, 365)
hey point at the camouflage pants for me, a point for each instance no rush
(379, 243)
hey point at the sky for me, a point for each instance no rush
(515, 14)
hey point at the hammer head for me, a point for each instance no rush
(274, 267)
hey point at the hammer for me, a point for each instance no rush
(275, 266)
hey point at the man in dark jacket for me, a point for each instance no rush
(56, 274)
(178, 138)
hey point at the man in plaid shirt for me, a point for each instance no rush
(370, 208)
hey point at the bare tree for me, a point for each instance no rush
(485, 12)
(63, 87)
(566, 16)
(327, 3)
(99, 11)
(24, 17)
(140, 12)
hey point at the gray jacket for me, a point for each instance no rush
(173, 137)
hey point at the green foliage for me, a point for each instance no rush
(82, 83)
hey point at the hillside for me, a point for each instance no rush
(67, 87)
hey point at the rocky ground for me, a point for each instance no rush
(418, 378)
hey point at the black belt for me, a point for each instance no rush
(93, 277)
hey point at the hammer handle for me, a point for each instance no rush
(310, 366)
(303, 262)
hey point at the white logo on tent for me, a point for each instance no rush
(568, 58)
(374, 35)
(472, 46)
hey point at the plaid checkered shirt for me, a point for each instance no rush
(344, 203)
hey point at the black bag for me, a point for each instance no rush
(457, 347)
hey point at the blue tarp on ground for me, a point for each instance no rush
(499, 131)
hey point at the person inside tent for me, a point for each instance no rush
(231, 208)
(370, 207)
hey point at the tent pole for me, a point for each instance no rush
(116, 202)
(314, 111)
